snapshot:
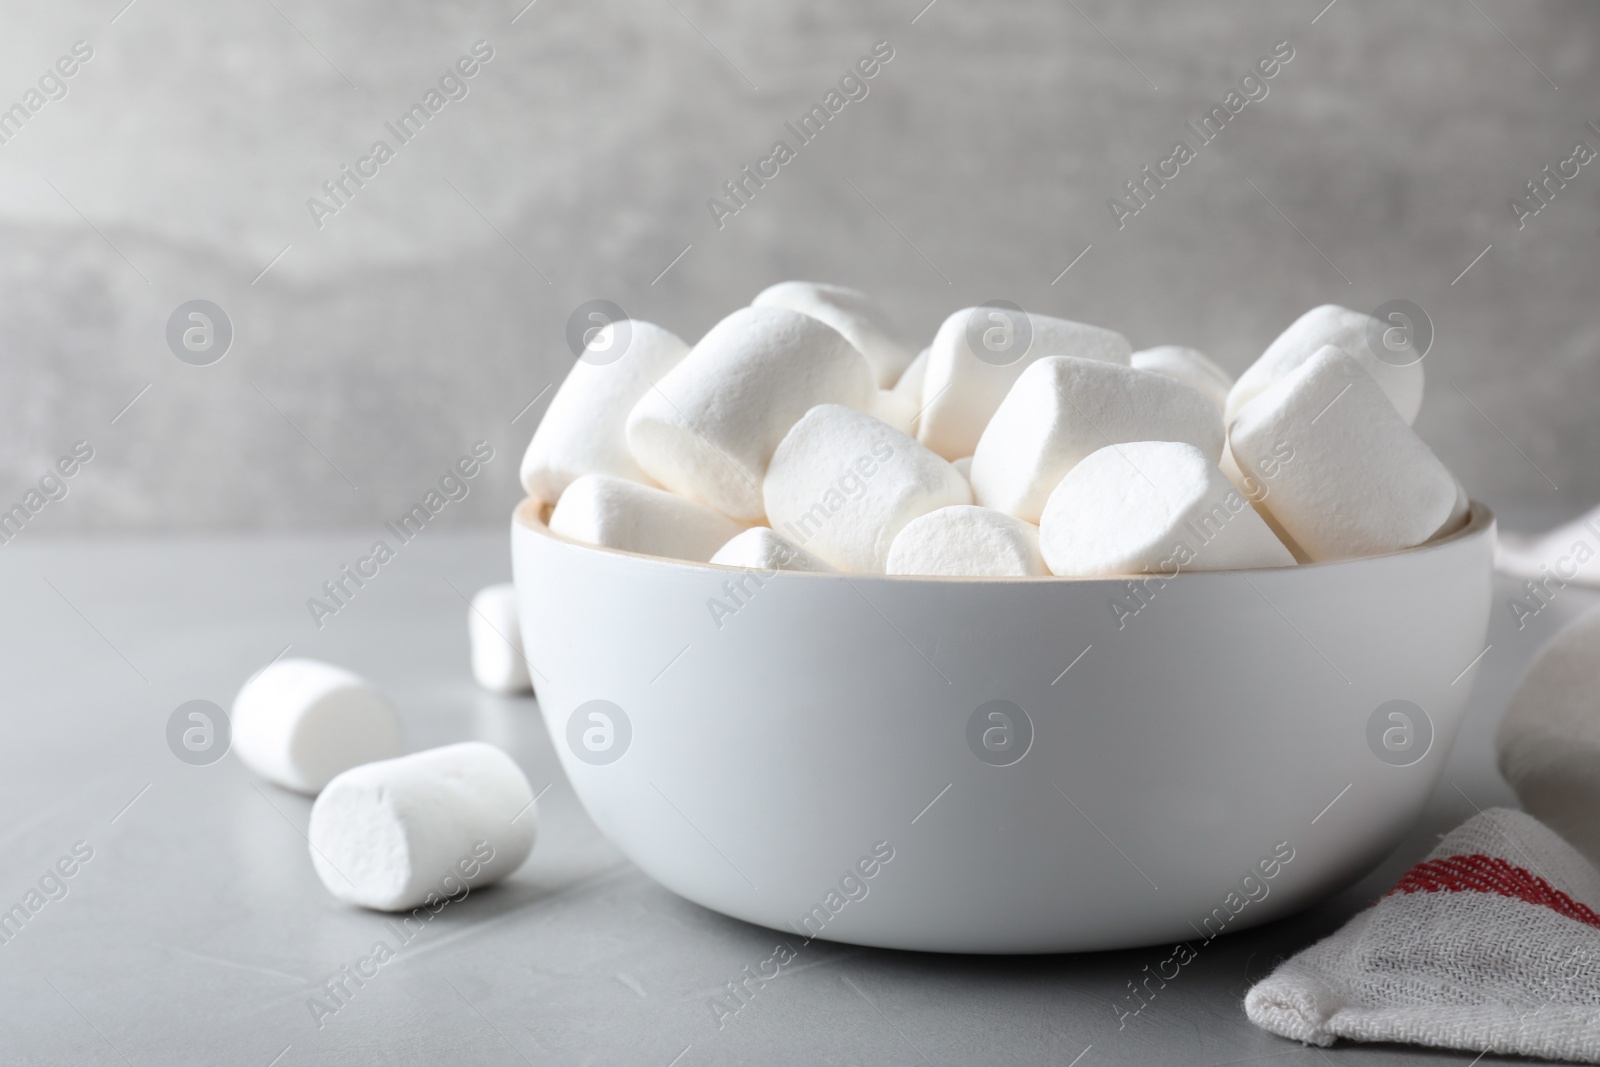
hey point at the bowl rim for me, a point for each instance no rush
(527, 515)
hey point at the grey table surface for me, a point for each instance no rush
(198, 931)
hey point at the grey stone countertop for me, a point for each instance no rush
(197, 931)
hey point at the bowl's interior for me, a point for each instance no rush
(533, 514)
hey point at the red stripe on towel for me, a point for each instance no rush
(1491, 874)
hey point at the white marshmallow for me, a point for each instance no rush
(495, 634)
(1190, 366)
(961, 391)
(896, 409)
(967, 540)
(843, 484)
(1255, 486)
(582, 429)
(404, 832)
(910, 383)
(1549, 740)
(1361, 482)
(299, 722)
(1152, 506)
(760, 549)
(1342, 328)
(963, 467)
(1062, 409)
(853, 314)
(1459, 514)
(708, 427)
(601, 510)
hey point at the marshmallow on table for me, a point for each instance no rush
(708, 427)
(496, 637)
(843, 484)
(1361, 482)
(896, 409)
(299, 722)
(967, 540)
(582, 430)
(760, 549)
(963, 467)
(852, 313)
(1063, 408)
(1549, 740)
(615, 513)
(1342, 328)
(1152, 506)
(399, 833)
(961, 391)
(1190, 366)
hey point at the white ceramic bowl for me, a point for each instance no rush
(761, 755)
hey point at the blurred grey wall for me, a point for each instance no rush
(373, 345)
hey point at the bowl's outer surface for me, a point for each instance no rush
(777, 743)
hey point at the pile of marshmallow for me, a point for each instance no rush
(799, 434)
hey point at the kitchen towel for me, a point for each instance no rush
(1490, 944)
(1548, 742)
(1569, 553)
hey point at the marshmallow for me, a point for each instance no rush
(1459, 513)
(1190, 366)
(963, 467)
(1549, 740)
(708, 427)
(1062, 409)
(299, 722)
(967, 540)
(1360, 481)
(1152, 506)
(1342, 328)
(758, 548)
(962, 391)
(404, 832)
(896, 409)
(582, 430)
(1255, 486)
(496, 638)
(843, 484)
(910, 383)
(601, 510)
(852, 313)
